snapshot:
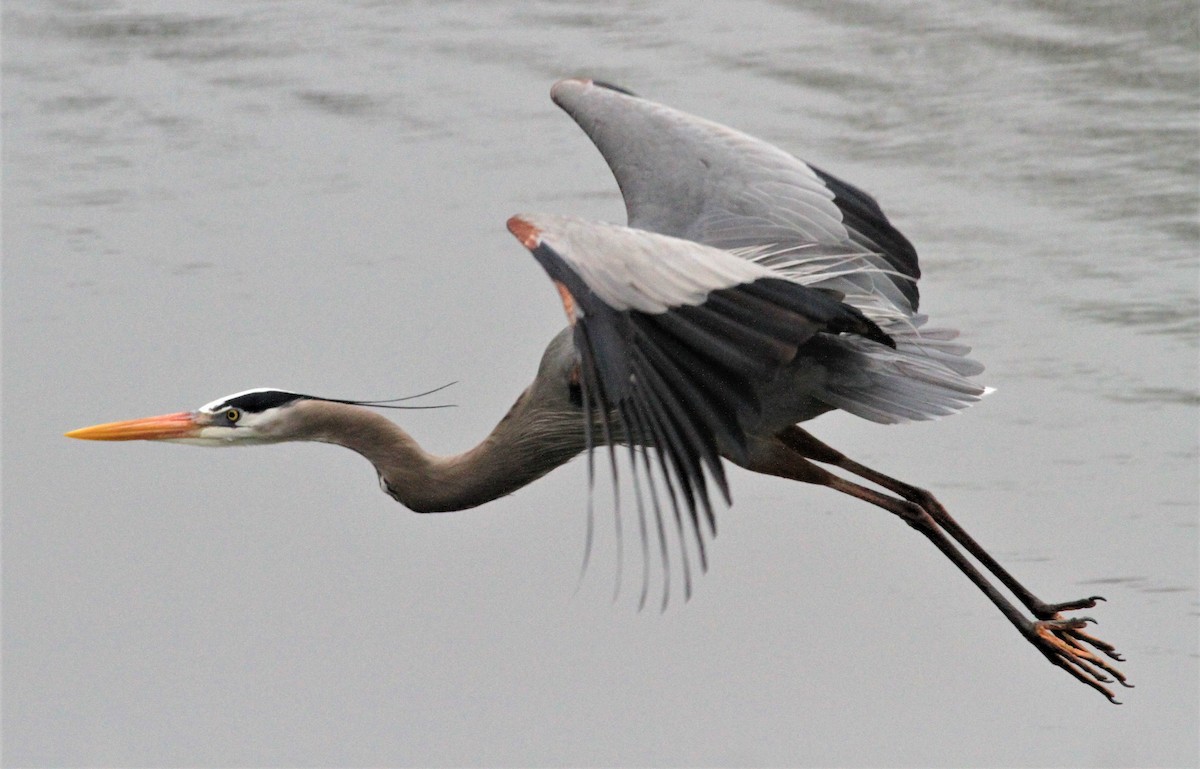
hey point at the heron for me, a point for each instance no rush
(748, 293)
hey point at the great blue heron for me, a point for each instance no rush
(750, 292)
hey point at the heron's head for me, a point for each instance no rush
(254, 416)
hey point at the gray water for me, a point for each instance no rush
(200, 199)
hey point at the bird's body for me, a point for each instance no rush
(749, 293)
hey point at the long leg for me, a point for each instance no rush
(803, 442)
(1062, 641)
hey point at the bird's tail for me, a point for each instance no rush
(924, 377)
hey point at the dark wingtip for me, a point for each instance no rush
(613, 87)
(565, 88)
(873, 332)
(853, 321)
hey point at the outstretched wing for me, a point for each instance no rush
(675, 339)
(692, 178)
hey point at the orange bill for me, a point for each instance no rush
(180, 425)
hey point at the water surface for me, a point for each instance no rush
(312, 196)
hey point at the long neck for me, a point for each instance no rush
(524, 446)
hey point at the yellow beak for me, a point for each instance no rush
(181, 425)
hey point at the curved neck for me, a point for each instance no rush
(512, 456)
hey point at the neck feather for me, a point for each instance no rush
(525, 445)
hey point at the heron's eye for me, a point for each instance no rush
(233, 415)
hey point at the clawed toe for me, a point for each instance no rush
(1065, 643)
(1048, 611)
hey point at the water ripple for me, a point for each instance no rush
(1178, 318)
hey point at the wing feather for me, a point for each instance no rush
(689, 177)
(738, 255)
(686, 176)
(686, 358)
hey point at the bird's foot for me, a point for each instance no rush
(1081, 654)
(1052, 610)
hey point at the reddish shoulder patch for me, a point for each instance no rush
(530, 236)
(568, 301)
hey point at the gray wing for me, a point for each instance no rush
(676, 340)
(685, 176)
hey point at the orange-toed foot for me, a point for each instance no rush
(1065, 644)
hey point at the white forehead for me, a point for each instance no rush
(220, 403)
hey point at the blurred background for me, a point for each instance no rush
(203, 198)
